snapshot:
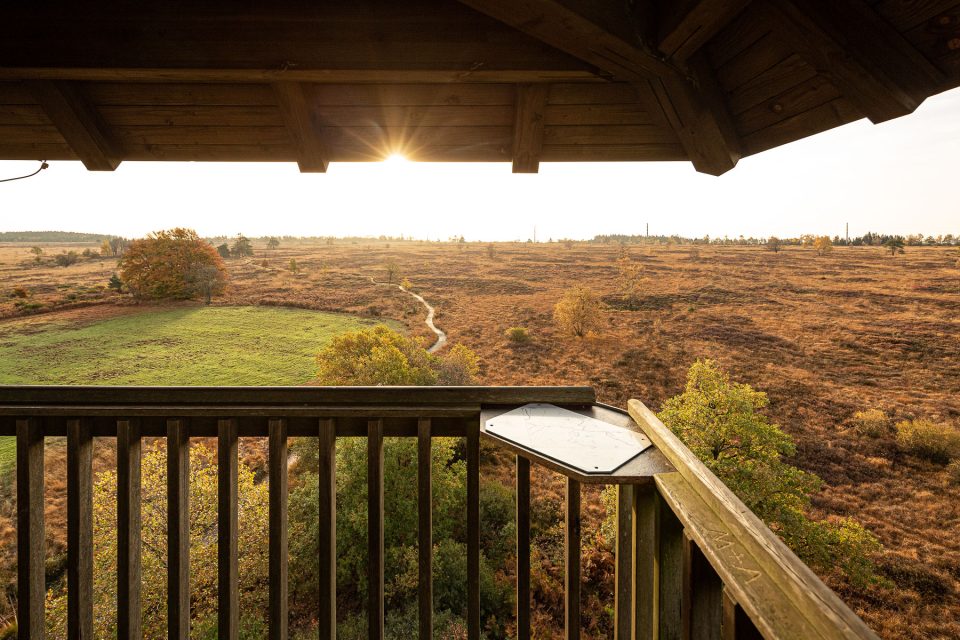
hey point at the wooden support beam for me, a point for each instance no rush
(425, 527)
(31, 545)
(79, 530)
(875, 67)
(178, 530)
(311, 155)
(228, 610)
(278, 529)
(375, 557)
(685, 26)
(623, 590)
(691, 104)
(129, 448)
(78, 122)
(327, 543)
(528, 127)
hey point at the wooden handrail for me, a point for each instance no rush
(781, 595)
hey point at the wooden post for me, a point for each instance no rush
(375, 530)
(735, 624)
(278, 529)
(706, 601)
(523, 548)
(670, 573)
(228, 611)
(425, 527)
(128, 530)
(178, 530)
(79, 530)
(473, 529)
(646, 586)
(327, 467)
(623, 590)
(31, 586)
(572, 539)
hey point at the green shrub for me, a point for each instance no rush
(66, 258)
(953, 472)
(518, 335)
(929, 440)
(872, 423)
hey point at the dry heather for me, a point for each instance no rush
(825, 337)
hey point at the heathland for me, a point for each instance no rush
(825, 336)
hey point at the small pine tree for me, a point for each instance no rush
(894, 245)
(293, 266)
(115, 283)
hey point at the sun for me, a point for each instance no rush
(396, 159)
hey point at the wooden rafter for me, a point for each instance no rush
(528, 127)
(684, 27)
(874, 67)
(700, 121)
(78, 122)
(311, 155)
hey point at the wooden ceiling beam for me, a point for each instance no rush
(312, 157)
(685, 26)
(78, 122)
(873, 65)
(690, 100)
(528, 127)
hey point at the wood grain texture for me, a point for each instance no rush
(178, 530)
(528, 125)
(779, 593)
(302, 127)
(646, 585)
(524, 601)
(327, 541)
(228, 609)
(375, 558)
(79, 530)
(78, 122)
(425, 529)
(129, 453)
(473, 528)
(278, 529)
(31, 545)
(623, 580)
(572, 543)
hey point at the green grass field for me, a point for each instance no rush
(183, 346)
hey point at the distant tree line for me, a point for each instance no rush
(52, 236)
(868, 239)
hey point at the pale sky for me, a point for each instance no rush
(900, 177)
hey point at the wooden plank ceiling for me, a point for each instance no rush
(520, 81)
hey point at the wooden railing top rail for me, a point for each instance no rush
(782, 596)
(27, 396)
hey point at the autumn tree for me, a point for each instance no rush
(252, 506)
(722, 423)
(629, 275)
(380, 355)
(167, 264)
(393, 271)
(578, 312)
(823, 245)
(894, 244)
(774, 244)
(242, 247)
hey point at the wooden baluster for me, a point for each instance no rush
(705, 588)
(79, 530)
(278, 529)
(523, 548)
(735, 624)
(572, 568)
(129, 451)
(228, 608)
(178, 530)
(425, 527)
(623, 590)
(473, 529)
(670, 573)
(375, 529)
(645, 580)
(327, 466)
(31, 586)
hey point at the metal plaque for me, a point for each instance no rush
(584, 443)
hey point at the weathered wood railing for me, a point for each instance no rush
(692, 562)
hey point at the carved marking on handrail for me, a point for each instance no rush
(723, 540)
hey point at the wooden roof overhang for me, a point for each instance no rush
(520, 81)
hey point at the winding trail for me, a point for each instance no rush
(441, 336)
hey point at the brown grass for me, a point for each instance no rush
(825, 337)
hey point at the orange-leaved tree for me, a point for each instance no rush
(173, 264)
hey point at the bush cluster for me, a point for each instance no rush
(518, 335)
(929, 440)
(872, 423)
